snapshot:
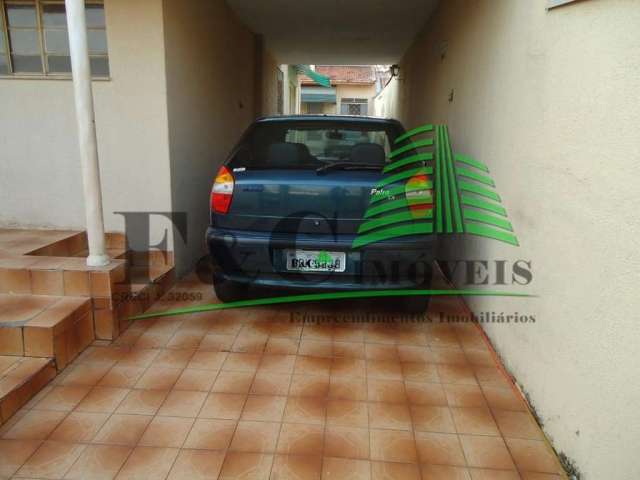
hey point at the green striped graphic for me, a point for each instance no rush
(415, 131)
(474, 188)
(478, 203)
(464, 196)
(465, 172)
(470, 161)
(457, 211)
(411, 146)
(404, 175)
(479, 216)
(403, 216)
(490, 232)
(317, 297)
(393, 232)
(386, 207)
(445, 181)
(420, 157)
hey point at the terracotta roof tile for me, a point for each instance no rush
(343, 74)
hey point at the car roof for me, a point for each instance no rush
(326, 118)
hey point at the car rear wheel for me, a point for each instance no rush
(228, 291)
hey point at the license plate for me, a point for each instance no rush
(316, 261)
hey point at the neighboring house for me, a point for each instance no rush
(352, 90)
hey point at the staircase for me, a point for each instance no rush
(52, 306)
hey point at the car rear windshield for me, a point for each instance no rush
(312, 145)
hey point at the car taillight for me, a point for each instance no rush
(419, 196)
(222, 191)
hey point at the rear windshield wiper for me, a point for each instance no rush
(349, 166)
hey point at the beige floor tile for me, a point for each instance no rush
(345, 469)
(197, 465)
(142, 402)
(51, 460)
(226, 406)
(123, 429)
(35, 425)
(347, 442)
(149, 463)
(439, 449)
(486, 452)
(264, 407)
(79, 427)
(99, 462)
(102, 400)
(392, 471)
(300, 439)
(13, 454)
(246, 466)
(63, 398)
(193, 379)
(255, 437)
(211, 434)
(182, 403)
(393, 446)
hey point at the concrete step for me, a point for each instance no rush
(128, 285)
(142, 286)
(59, 276)
(20, 379)
(45, 326)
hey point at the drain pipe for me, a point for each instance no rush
(85, 117)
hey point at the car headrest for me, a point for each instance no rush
(284, 154)
(367, 153)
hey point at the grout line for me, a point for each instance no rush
(510, 379)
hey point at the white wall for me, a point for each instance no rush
(40, 180)
(210, 82)
(549, 101)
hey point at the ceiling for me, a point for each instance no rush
(335, 32)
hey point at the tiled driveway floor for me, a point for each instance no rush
(249, 394)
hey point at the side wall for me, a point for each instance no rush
(210, 82)
(269, 84)
(40, 179)
(548, 100)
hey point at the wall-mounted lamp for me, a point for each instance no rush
(395, 70)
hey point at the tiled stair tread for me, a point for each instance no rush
(61, 314)
(55, 263)
(21, 308)
(20, 379)
(16, 370)
(38, 310)
(15, 242)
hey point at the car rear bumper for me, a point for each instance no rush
(257, 258)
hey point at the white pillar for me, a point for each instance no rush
(77, 26)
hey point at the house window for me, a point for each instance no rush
(34, 38)
(354, 106)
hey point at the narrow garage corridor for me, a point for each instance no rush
(260, 394)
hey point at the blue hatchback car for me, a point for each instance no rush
(289, 203)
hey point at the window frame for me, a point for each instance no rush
(348, 101)
(44, 74)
